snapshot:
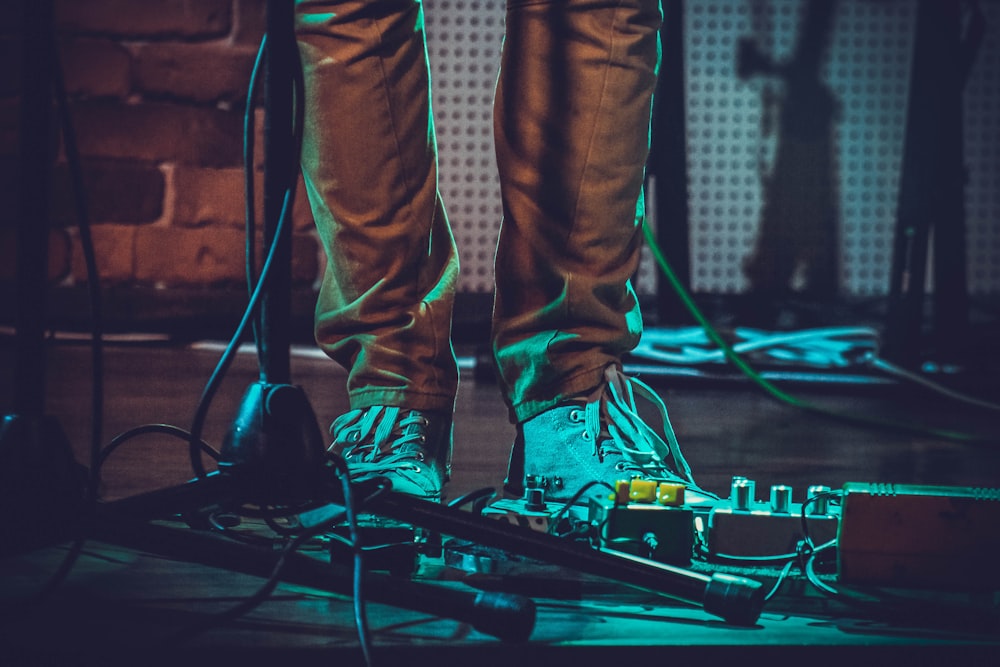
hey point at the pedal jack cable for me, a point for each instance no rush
(257, 285)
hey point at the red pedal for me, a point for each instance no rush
(919, 536)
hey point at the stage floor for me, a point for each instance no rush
(128, 600)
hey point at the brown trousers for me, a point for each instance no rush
(571, 117)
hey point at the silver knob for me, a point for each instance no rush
(781, 499)
(822, 504)
(742, 493)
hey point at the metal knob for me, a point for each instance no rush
(741, 495)
(822, 504)
(781, 499)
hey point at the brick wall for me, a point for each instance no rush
(157, 95)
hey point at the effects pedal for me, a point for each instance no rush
(917, 536)
(743, 527)
(642, 518)
(387, 545)
(646, 519)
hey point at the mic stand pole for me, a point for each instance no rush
(41, 484)
(275, 438)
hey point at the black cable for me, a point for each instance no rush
(576, 497)
(782, 577)
(250, 222)
(784, 397)
(360, 614)
(373, 548)
(803, 516)
(248, 604)
(274, 512)
(475, 498)
(733, 558)
(166, 429)
(252, 309)
(272, 523)
(291, 545)
(215, 380)
(827, 590)
(222, 367)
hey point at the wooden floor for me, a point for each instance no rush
(137, 605)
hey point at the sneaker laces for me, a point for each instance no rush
(379, 439)
(625, 432)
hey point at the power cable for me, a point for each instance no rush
(255, 285)
(249, 184)
(165, 429)
(252, 308)
(892, 369)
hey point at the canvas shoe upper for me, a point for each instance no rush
(410, 448)
(600, 438)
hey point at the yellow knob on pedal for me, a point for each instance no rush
(670, 494)
(621, 492)
(642, 491)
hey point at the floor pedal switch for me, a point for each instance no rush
(387, 546)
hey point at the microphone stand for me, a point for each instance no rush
(41, 485)
(274, 455)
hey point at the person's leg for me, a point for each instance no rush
(572, 117)
(572, 123)
(369, 162)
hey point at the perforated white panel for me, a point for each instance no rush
(463, 43)
(732, 140)
(725, 144)
(732, 134)
(868, 70)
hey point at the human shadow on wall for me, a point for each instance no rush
(796, 251)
